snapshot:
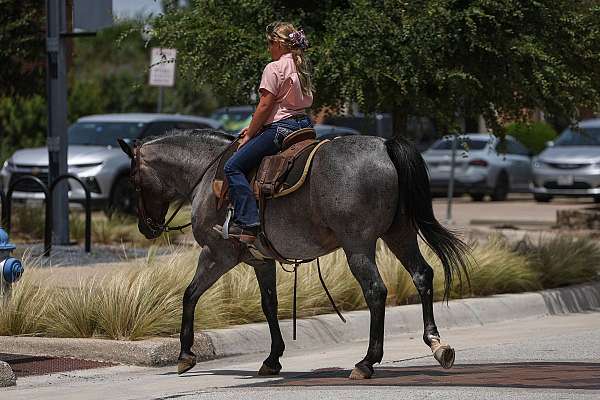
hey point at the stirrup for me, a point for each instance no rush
(228, 215)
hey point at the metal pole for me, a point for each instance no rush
(161, 96)
(56, 81)
(451, 183)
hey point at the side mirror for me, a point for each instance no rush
(126, 147)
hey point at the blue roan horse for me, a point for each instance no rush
(360, 189)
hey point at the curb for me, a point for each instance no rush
(316, 331)
(7, 376)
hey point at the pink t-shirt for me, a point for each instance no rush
(281, 79)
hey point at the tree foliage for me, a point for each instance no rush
(22, 40)
(446, 59)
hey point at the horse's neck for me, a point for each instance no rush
(180, 167)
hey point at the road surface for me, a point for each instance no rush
(555, 357)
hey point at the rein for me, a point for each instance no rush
(154, 226)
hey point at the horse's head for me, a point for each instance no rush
(153, 196)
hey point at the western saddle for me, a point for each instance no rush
(277, 176)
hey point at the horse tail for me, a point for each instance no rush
(415, 204)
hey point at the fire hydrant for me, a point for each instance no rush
(11, 268)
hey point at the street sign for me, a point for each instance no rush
(162, 67)
(92, 15)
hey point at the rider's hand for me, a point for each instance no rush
(244, 138)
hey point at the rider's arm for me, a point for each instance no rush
(263, 110)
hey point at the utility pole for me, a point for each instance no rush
(56, 85)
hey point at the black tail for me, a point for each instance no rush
(415, 202)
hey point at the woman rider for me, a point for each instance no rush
(285, 92)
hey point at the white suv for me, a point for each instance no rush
(95, 157)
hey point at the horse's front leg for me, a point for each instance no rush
(211, 266)
(267, 281)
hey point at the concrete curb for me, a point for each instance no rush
(7, 376)
(317, 331)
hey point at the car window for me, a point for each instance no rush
(515, 147)
(103, 133)
(191, 125)
(233, 120)
(579, 137)
(463, 143)
(159, 128)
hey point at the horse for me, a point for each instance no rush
(359, 189)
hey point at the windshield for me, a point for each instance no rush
(579, 137)
(103, 133)
(233, 121)
(462, 144)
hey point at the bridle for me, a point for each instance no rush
(136, 179)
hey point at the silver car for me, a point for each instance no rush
(95, 157)
(484, 166)
(570, 166)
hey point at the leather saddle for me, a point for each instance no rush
(277, 175)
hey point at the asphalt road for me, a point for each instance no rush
(555, 357)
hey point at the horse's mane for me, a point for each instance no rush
(184, 136)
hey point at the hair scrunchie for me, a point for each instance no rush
(298, 39)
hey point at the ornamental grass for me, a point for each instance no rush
(142, 298)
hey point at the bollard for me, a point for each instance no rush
(11, 268)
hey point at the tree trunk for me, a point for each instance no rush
(399, 122)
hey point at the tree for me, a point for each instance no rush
(447, 59)
(22, 40)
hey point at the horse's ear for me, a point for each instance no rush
(125, 147)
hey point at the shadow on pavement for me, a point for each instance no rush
(540, 375)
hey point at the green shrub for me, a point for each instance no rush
(533, 135)
(22, 124)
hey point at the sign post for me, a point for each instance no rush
(57, 115)
(162, 71)
(88, 16)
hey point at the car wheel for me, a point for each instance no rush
(542, 198)
(123, 197)
(501, 189)
(477, 196)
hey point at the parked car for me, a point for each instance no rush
(236, 118)
(331, 131)
(484, 166)
(571, 165)
(95, 157)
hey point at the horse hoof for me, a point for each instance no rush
(359, 374)
(267, 371)
(444, 354)
(185, 364)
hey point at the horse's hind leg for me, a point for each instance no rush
(361, 260)
(404, 245)
(211, 266)
(267, 281)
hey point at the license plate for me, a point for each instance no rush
(565, 180)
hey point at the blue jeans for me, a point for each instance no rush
(266, 143)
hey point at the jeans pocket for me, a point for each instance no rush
(280, 134)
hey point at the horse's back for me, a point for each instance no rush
(354, 185)
(351, 193)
